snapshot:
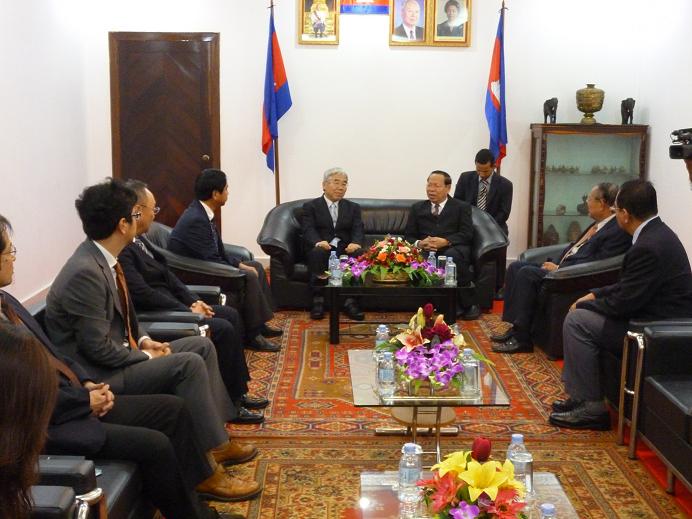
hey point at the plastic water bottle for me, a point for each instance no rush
(409, 473)
(335, 273)
(522, 461)
(441, 262)
(381, 340)
(471, 376)
(385, 375)
(450, 273)
(431, 259)
(548, 511)
(516, 445)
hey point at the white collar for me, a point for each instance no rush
(329, 202)
(489, 180)
(110, 259)
(208, 210)
(600, 224)
(441, 204)
(638, 231)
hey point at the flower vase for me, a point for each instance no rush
(391, 278)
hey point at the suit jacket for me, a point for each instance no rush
(454, 222)
(609, 241)
(655, 282)
(72, 424)
(317, 224)
(443, 29)
(151, 284)
(192, 236)
(498, 202)
(84, 318)
(401, 32)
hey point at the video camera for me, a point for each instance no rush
(682, 144)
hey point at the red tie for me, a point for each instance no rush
(124, 303)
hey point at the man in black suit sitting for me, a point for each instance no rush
(153, 287)
(443, 225)
(602, 239)
(331, 223)
(196, 236)
(655, 283)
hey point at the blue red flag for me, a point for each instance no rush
(277, 96)
(495, 109)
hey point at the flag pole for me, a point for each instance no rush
(502, 9)
(277, 183)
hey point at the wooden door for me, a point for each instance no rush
(165, 112)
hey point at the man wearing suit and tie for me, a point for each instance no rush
(409, 30)
(90, 319)
(443, 225)
(655, 283)
(602, 239)
(195, 235)
(331, 223)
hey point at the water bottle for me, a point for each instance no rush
(335, 273)
(548, 511)
(450, 273)
(431, 259)
(441, 262)
(522, 461)
(385, 375)
(409, 473)
(516, 445)
(381, 340)
(471, 376)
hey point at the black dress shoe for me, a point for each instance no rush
(245, 416)
(354, 312)
(512, 345)
(502, 337)
(582, 418)
(271, 331)
(563, 406)
(317, 311)
(252, 402)
(259, 343)
(470, 313)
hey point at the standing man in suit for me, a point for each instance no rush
(154, 287)
(602, 239)
(90, 319)
(331, 223)
(655, 283)
(409, 30)
(195, 235)
(443, 225)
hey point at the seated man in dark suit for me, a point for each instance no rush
(196, 236)
(443, 225)
(602, 239)
(331, 223)
(90, 319)
(655, 283)
(154, 287)
(154, 431)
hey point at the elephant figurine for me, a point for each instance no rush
(627, 110)
(550, 110)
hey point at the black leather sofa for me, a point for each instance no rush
(561, 288)
(280, 237)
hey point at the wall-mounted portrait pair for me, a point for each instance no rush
(430, 22)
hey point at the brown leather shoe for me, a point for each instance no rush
(233, 453)
(221, 487)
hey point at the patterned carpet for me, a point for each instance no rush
(314, 443)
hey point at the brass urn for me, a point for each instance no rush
(589, 101)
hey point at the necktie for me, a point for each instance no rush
(124, 303)
(56, 363)
(436, 210)
(412, 35)
(214, 232)
(482, 195)
(334, 210)
(585, 237)
(144, 248)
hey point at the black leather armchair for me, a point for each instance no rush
(280, 237)
(561, 288)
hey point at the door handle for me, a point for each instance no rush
(205, 158)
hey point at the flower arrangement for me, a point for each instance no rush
(392, 256)
(468, 485)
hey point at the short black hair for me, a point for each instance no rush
(138, 187)
(485, 156)
(102, 206)
(448, 179)
(454, 3)
(5, 230)
(638, 197)
(208, 181)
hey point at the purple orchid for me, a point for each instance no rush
(464, 511)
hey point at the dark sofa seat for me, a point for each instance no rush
(281, 238)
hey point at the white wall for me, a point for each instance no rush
(390, 115)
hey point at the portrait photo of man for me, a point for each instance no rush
(408, 21)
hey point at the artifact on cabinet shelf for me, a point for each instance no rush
(550, 110)
(589, 101)
(551, 236)
(560, 210)
(627, 110)
(583, 208)
(573, 231)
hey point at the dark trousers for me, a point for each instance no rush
(522, 285)
(154, 432)
(259, 304)
(461, 256)
(318, 261)
(229, 350)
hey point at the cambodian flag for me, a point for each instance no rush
(277, 97)
(495, 109)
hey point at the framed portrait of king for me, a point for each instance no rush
(452, 23)
(407, 22)
(318, 22)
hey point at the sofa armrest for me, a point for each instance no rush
(165, 316)
(668, 349)
(583, 276)
(278, 234)
(540, 255)
(488, 237)
(68, 471)
(166, 332)
(208, 293)
(52, 502)
(238, 251)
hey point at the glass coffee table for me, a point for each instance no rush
(378, 497)
(429, 411)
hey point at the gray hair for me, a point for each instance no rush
(334, 171)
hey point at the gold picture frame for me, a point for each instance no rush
(452, 23)
(407, 22)
(318, 22)
(434, 23)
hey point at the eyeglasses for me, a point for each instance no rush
(12, 252)
(136, 216)
(156, 210)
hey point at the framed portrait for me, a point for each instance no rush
(452, 23)
(407, 22)
(318, 22)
